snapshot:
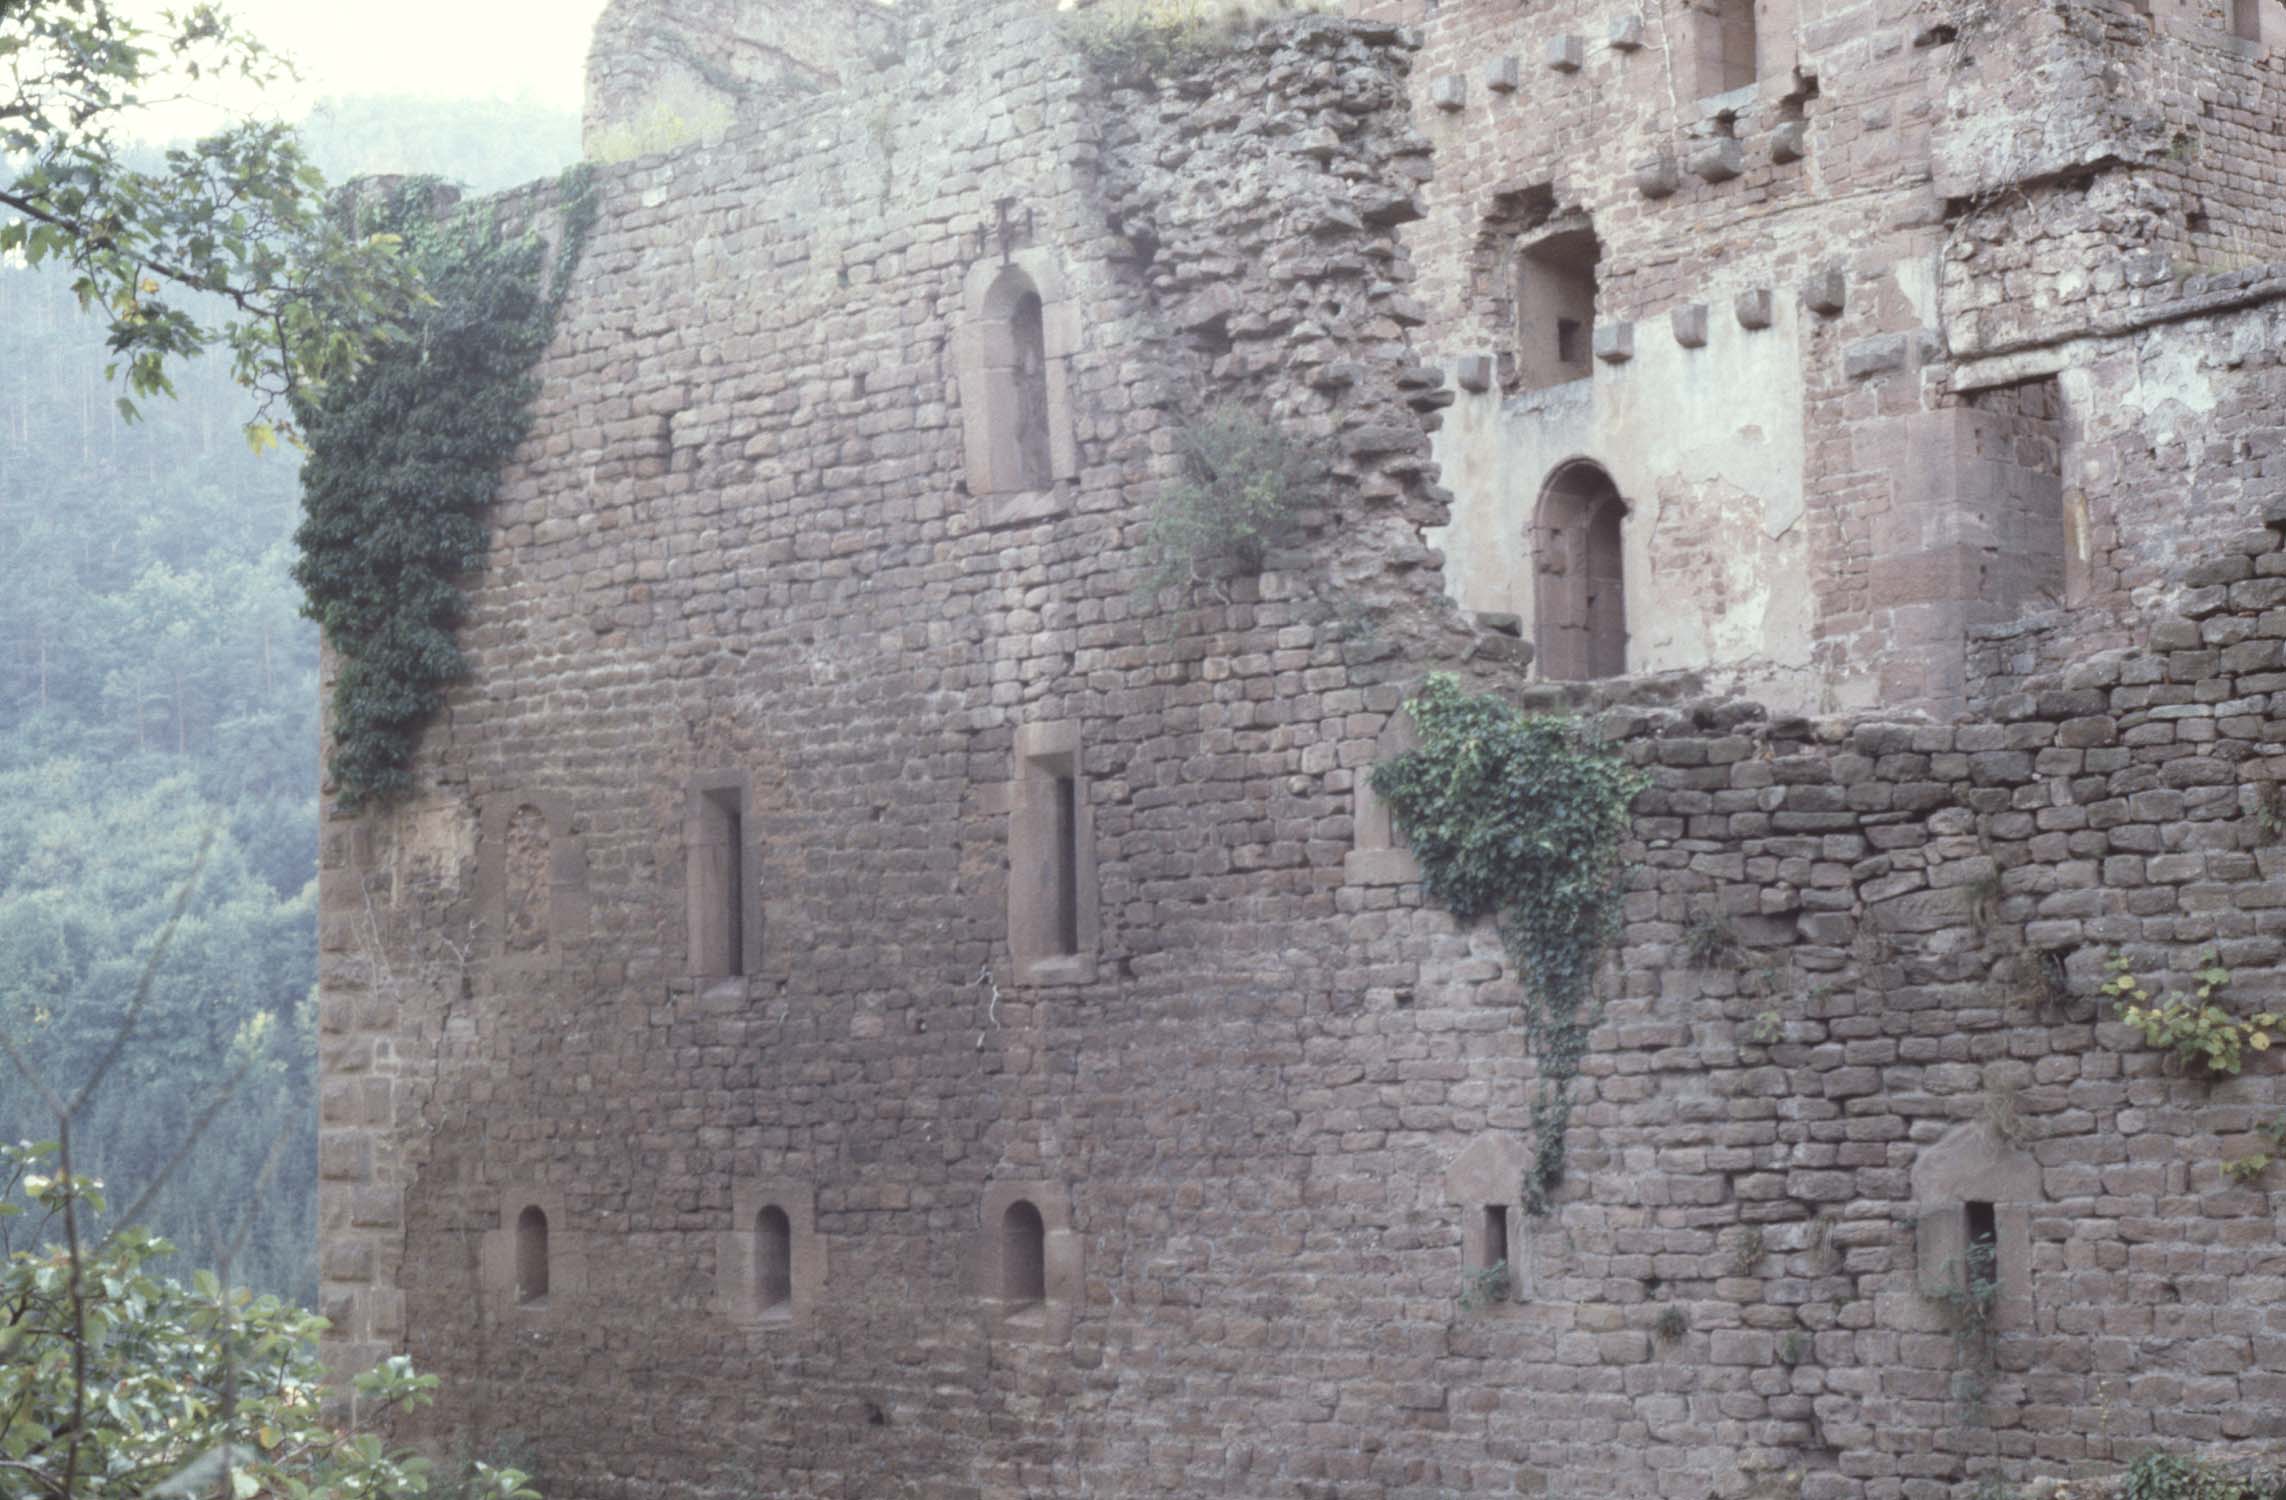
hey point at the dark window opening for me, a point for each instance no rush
(1983, 1228)
(1568, 346)
(774, 1261)
(1495, 1235)
(1023, 1255)
(531, 1257)
(1066, 856)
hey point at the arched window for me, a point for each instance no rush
(531, 1257)
(1023, 1254)
(1013, 389)
(1580, 608)
(1012, 361)
(774, 1262)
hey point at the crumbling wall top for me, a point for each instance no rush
(663, 73)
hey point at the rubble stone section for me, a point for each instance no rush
(1196, 1217)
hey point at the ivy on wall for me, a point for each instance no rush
(1522, 816)
(404, 464)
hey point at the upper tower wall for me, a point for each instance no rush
(664, 72)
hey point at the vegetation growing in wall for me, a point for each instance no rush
(1244, 482)
(1485, 1286)
(405, 462)
(1522, 816)
(2199, 1032)
(1970, 1295)
(1144, 38)
(2165, 1476)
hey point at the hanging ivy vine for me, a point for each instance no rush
(404, 464)
(1522, 816)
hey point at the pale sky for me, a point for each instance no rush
(463, 49)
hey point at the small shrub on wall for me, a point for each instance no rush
(1244, 481)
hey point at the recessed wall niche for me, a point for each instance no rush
(1012, 365)
(770, 1265)
(1029, 1265)
(531, 880)
(532, 1262)
(1052, 893)
(1974, 1186)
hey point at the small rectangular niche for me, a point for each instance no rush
(2013, 500)
(1555, 309)
(1051, 859)
(2246, 20)
(724, 937)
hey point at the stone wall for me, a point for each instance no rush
(1263, 1110)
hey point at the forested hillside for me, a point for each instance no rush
(158, 691)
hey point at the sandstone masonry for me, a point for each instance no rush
(869, 999)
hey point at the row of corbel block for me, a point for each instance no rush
(1826, 293)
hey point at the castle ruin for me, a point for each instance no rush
(871, 999)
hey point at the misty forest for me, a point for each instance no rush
(159, 697)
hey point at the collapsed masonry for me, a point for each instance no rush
(869, 1000)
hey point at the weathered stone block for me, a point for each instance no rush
(1718, 160)
(1449, 92)
(1753, 307)
(1658, 176)
(1689, 323)
(1615, 342)
(1565, 54)
(1503, 74)
(1826, 292)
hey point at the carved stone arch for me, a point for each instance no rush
(1579, 561)
(1012, 364)
(531, 883)
(1974, 1171)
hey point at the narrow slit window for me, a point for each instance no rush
(1495, 1236)
(1051, 866)
(1065, 854)
(532, 1257)
(1983, 1227)
(717, 880)
(1023, 1255)
(774, 1262)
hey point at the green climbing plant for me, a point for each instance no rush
(405, 461)
(1522, 816)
